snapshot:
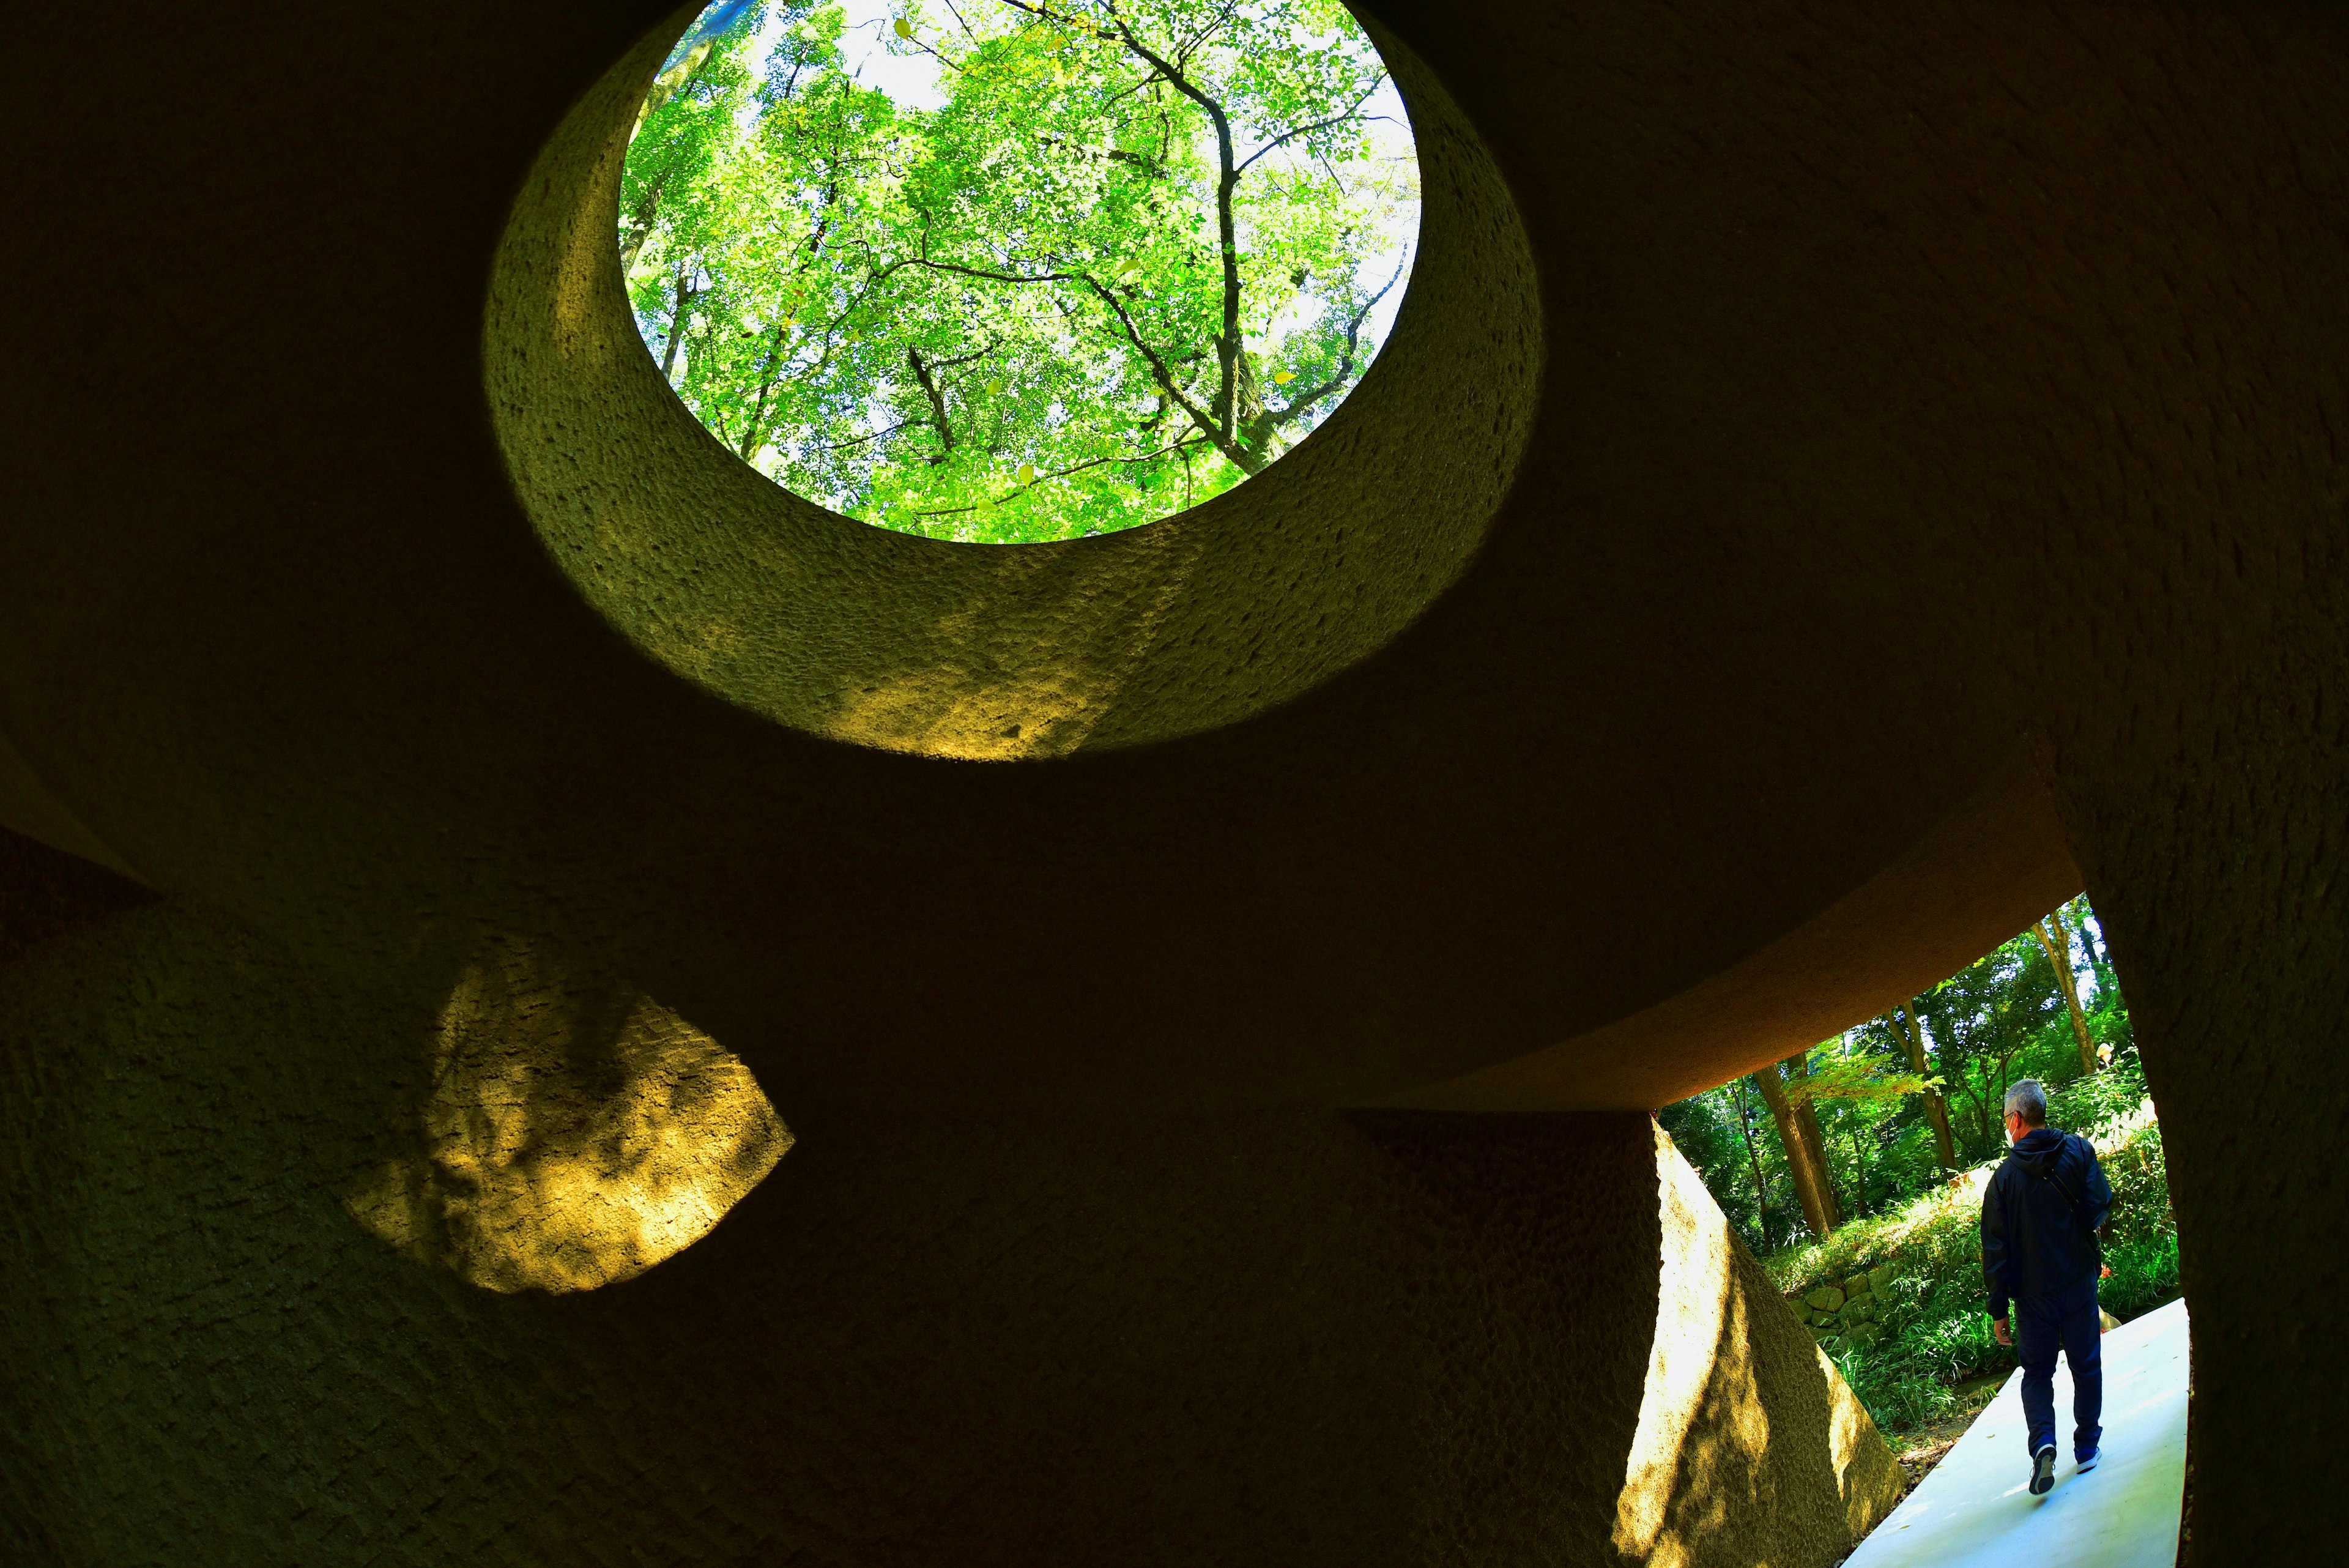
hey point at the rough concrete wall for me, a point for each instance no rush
(2215, 835)
(1743, 1453)
(1641, 739)
(28, 809)
(46, 892)
(1396, 1338)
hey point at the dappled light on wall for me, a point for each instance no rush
(1702, 1464)
(1692, 1298)
(569, 1139)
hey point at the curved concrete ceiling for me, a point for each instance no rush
(1882, 351)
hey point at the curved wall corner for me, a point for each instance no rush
(28, 806)
(907, 644)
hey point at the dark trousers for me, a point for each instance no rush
(2063, 1320)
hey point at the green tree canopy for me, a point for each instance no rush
(1131, 254)
(2000, 1018)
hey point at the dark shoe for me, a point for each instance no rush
(2042, 1471)
(2088, 1460)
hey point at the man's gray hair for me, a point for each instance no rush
(2028, 1099)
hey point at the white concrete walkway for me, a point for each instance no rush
(1976, 1506)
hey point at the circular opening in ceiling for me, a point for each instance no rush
(874, 637)
(1012, 271)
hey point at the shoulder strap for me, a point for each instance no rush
(2071, 1199)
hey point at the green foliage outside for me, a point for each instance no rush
(1134, 255)
(1999, 1019)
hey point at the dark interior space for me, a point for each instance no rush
(1845, 478)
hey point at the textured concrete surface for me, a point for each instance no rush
(1976, 1510)
(1909, 486)
(1391, 1338)
(1654, 699)
(45, 893)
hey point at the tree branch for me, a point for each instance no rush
(1227, 343)
(1164, 376)
(1352, 110)
(1304, 400)
(1201, 418)
(860, 440)
(769, 372)
(937, 402)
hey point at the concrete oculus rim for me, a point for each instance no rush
(829, 626)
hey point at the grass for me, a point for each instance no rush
(1936, 1332)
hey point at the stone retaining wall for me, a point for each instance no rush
(1845, 1314)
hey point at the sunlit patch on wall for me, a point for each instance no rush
(1707, 1460)
(570, 1139)
(1013, 271)
(1695, 1298)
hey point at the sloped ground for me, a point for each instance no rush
(1919, 1451)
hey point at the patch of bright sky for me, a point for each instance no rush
(872, 53)
(910, 78)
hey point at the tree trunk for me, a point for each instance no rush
(1809, 1172)
(684, 294)
(665, 86)
(767, 374)
(640, 222)
(1753, 1154)
(1978, 1101)
(2091, 942)
(1229, 345)
(1814, 1143)
(2058, 948)
(1911, 1032)
(938, 419)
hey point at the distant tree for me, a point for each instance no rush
(1905, 1028)
(1864, 1089)
(1700, 1127)
(1986, 1018)
(1132, 259)
(1748, 1111)
(2056, 943)
(2080, 918)
(1798, 1134)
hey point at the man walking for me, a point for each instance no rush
(2040, 1218)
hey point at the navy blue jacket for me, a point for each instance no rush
(2039, 1215)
